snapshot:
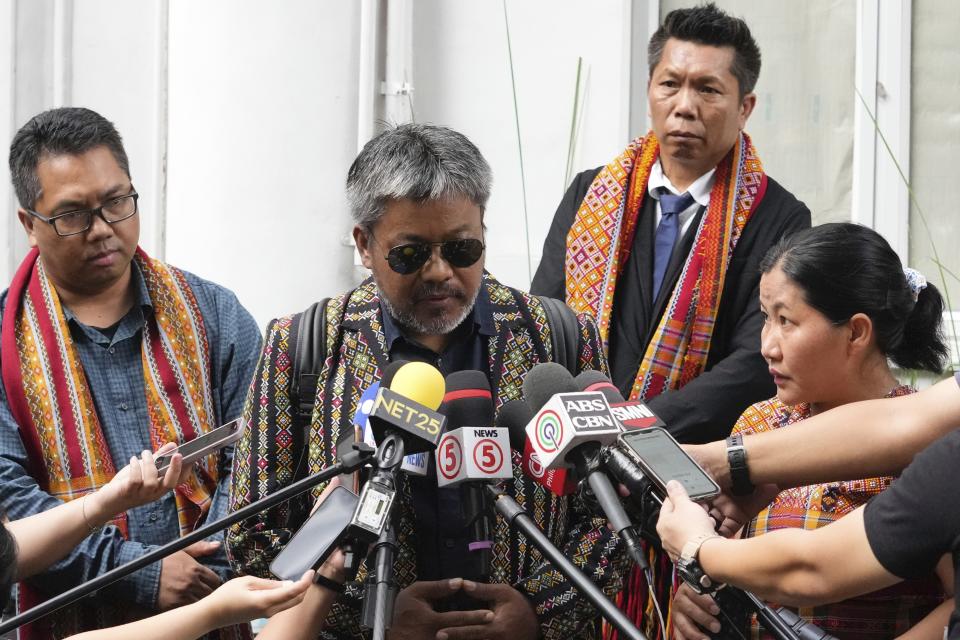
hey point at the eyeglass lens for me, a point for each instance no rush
(114, 210)
(408, 258)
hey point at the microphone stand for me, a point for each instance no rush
(350, 461)
(516, 516)
(382, 585)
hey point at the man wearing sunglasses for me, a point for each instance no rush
(418, 194)
(106, 353)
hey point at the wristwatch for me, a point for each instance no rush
(739, 473)
(688, 566)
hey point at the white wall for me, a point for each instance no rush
(461, 73)
(262, 129)
(118, 66)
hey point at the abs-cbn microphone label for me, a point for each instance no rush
(549, 431)
(588, 413)
(567, 420)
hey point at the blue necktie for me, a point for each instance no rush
(667, 231)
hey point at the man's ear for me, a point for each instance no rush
(747, 103)
(28, 222)
(361, 237)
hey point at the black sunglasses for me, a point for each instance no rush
(408, 258)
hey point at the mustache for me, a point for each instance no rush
(430, 291)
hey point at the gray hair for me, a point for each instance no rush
(417, 162)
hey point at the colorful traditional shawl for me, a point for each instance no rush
(601, 237)
(885, 613)
(598, 245)
(50, 399)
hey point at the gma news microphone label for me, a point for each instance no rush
(392, 409)
(473, 453)
(568, 420)
(635, 415)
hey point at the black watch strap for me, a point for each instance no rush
(737, 459)
(327, 583)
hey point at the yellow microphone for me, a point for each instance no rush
(420, 382)
(406, 404)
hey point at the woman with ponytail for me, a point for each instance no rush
(838, 308)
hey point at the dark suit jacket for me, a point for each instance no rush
(736, 375)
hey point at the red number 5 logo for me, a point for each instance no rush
(450, 458)
(488, 456)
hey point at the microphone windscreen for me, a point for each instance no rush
(544, 381)
(592, 380)
(420, 382)
(391, 370)
(514, 416)
(468, 401)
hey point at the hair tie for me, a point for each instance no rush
(915, 280)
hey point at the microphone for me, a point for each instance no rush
(414, 463)
(471, 453)
(631, 414)
(514, 416)
(403, 417)
(571, 427)
(408, 406)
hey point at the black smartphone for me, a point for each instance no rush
(204, 445)
(660, 457)
(318, 536)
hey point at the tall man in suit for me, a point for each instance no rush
(663, 244)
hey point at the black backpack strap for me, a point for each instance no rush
(310, 347)
(564, 333)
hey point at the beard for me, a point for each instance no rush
(429, 324)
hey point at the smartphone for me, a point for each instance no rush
(660, 457)
(318, 536)
(204, 445)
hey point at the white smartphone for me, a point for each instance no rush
(206, 444)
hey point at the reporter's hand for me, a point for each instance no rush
(513, 615)
(689, 610)
(136, 484)
(243, 599)
(737, 511)
(414, 617)
(712, 457)
(184, 580)
(681, 520)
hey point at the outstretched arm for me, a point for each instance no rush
(45, 537)
(238, 600)
(867, 439)
(791, 566)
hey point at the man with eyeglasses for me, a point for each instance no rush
(106, 353)
(418, 194)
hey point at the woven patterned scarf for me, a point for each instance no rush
(598, 245)
(601, 237)
(51, 400)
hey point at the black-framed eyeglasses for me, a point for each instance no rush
(70, 223)
(408, 258)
